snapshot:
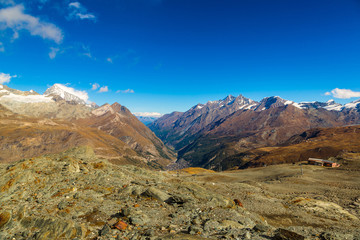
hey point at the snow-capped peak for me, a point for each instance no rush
(68, 93)
(353, 104)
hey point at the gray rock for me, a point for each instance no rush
(195, 230)
(261, 228)
(211, 225)
(139, 219)
(156, 193)
(283, 234)
(62, 205)
(105, 230)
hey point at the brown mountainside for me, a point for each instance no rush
(322, 143)
(24, 137)
(118, 121)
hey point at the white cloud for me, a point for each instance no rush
(2, 49)
(148, 114)
(15, 18)
(75, 4)
(109, 60)
(53, 52)
(95, 86)
(86, 16)
(343, 93)
(78, 11)
(5, 78)
(125, 91)
(103, 89)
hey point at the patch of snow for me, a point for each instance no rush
(251, 106)
(353, 104)
(297, 105)
(1, 86)
(4, 91)
(334, 107)
(27, 99)
(308, 102)
(288, 102)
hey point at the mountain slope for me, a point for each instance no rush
(318, 142)
(118, 121)
(24, 137)
(178, 129)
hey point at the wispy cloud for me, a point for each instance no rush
(53, 52)
(78, 11)
(14, 18)
(343, 93)
(2, 49)
(94, 86)
(87, 52)
(5, 78)
(125, 91)
(103, 89)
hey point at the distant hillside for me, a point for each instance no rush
(319, 143)
(207, 134)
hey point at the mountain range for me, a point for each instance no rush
(207, 134)
(228, 133)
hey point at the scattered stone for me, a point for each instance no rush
(195, 230)
(261, 228)
(238, 203)
(139, 219)
(226, 224)
(211, 225)
(121, 225)
(112, 221)
(156, 193)
(283, 234)
(105, 230)
(62, 205)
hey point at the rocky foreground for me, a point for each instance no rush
(75, 195)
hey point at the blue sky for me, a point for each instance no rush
(167, 55)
